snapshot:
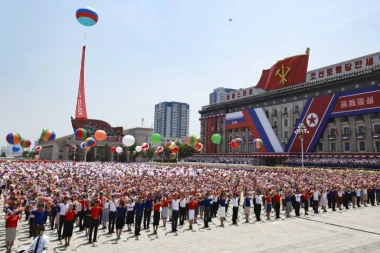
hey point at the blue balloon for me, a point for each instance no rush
(87, 16)
(16, 149)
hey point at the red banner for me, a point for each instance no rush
(211, 128)
(287, 72)
(81, 110)
(357, 102)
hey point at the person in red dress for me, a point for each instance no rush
(156, 215)
(191, 206)
(165, 210)
(11, 219)
(68, 224)
(94, 224)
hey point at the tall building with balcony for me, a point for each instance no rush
(219, 95)
(171, 120)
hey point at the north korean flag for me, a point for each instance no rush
(314, 116)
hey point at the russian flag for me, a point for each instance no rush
(261, 128)
(235, 120)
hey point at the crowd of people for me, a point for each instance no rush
(335, 161)
(122, 197)
(220, 159)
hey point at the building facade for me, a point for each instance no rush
(171, 120)
(219, 95)
(338, 104)
(141, 134)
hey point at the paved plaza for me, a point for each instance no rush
(355, 230)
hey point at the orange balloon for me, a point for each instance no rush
(36, 157)
(100, 135)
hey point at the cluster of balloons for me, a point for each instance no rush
(236, 143)
(89, 142)
(159, 150)
(143, 147)
(173, 148)
(18, 142)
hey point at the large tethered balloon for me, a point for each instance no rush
(87, 16)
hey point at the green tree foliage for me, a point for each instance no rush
(104, 153)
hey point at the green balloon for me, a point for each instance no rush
(8, 162)
(156, 138)
(216, 138)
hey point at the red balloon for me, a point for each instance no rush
(175, 149)
(233, 144)
(113, 149)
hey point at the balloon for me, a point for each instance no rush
(48, 135)
(16, 149)
(175, 149)
(80, 133)
(156, 138)
(119, 150)
(36, 157)
(257, 143)
(233, 144)
(113, 149)
(90, 142)
(173, 156)
(160, 149)
(73, 148)
(13, 138)
(8, 162)
(199, 147)
(87, 16)
(83, 145)
(216, 138)
(238, 142)
(138, 148)
(128, 140)
(87, 149)
(25, 143)
(171, 144)
(38, 148)
(100, 135)
(192, 141)
(145, 146)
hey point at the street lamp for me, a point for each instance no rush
(301, 131)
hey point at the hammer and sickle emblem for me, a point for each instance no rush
(282, 73)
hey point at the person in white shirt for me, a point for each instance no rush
(182, 210)
(235, 208)
(175, 207)
(112, 214)
(316, 200)
(40, 243)
(298, 203)
(258, 202)
(63, 208)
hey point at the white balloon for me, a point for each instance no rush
(119, 150)
(128, 140)
(138, 148)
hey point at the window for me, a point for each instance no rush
(361, 130)
(274, 112)
(361, 146)
(61, 148)
(285, 122)
(250, 137)
(285, 110)
(359, 117)
(296, 109)
(296, 121)
(286, 134)
(346, 131)
(331, 120)
(243, 137)
(275, 123)
(250, 148)
(377, 144)
(230, 138)
(376, 129)
(332, 147)
(344, 119)
(332, 131)
(230, 149)
(243, 149)
(320, 146)
(266, 113)
(347, 146)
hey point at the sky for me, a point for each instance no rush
(142, 52)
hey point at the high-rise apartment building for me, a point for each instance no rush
(171, 120)
(219, 95)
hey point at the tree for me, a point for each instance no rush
(91, 155)
(185, 150)
(148, 154)
(105, 153)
